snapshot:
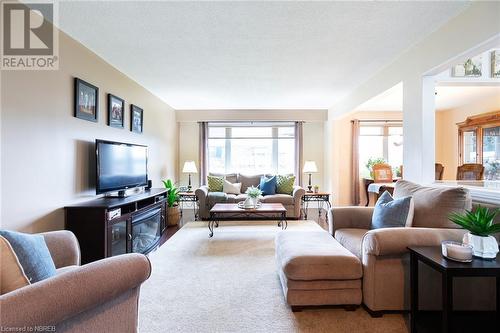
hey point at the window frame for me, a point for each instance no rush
(274, 137)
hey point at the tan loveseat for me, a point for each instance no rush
(207, 199)
(98, 297)
(384, 254)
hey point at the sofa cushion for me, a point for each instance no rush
(434, 204)
(390, 212)
(33, 255)
(232, 188)
(351, 239)
(230, 177)
(247, 181)
(283, 199)
(268, 185)
(284, 184)
(12, 275)
(315, 255)
(216, 197)
(215, 184)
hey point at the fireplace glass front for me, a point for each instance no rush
(146, 231)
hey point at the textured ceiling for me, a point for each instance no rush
(236, 55)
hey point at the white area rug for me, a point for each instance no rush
(229, 284)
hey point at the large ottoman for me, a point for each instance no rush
(315, 269)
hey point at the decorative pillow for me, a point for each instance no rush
(284, 184)
(215, 184)
(268, 185)
(390, 212)
(33, 255)
(12, 276)
(231, 188)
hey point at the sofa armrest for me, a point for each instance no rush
(63, 247)
(393, 241)
(297, 194)
(56, 299)
(349, 217)
(202, 193)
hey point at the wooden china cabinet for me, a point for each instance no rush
(479, 142)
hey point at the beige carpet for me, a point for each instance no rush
(229, 284)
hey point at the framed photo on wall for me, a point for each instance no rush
(136, 119)
(116, 111)
(86, 100)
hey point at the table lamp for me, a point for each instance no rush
(310, 167)
(189, 168)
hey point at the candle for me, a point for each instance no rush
(457, 251)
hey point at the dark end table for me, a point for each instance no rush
(431, 256)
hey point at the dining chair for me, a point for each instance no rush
(439, 170)
(470, 172)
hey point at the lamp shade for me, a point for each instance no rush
(189, 167)
(309, 167)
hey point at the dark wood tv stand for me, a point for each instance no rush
(102, 235)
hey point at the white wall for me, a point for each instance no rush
(47, 153)
(476, 29)
(189, 151)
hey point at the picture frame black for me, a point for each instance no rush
(116, 111)
(86, 100)
(136, 119)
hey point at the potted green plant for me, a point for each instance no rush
(371, 162)
(252, 200)
(481, 226)
(173, 211)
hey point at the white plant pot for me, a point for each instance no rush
(251, 202)
(483, 247)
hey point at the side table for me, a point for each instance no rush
(189, 200)
(431, 256)
(323, 199)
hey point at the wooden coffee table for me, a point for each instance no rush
(231, 210)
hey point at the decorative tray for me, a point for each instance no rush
(458, 260)
(241, 205)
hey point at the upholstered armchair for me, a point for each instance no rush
(98, 297)
(384, 252)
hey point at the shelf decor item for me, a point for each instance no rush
(495, 64)
(481, 227)
(470, 68)
(252, 201)
(173, 211)
(189, 168)
(310, 168)
(86, 100)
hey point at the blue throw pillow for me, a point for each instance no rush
(390, 212)
(268, 185)
(32, 253)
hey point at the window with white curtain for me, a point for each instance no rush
(251, 148)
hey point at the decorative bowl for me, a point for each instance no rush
(456, 251)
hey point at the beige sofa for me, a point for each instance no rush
(384, 255)
(207, 199)
(98, 297)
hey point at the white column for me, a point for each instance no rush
(419, 129)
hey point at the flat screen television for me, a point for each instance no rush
(120, 166)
